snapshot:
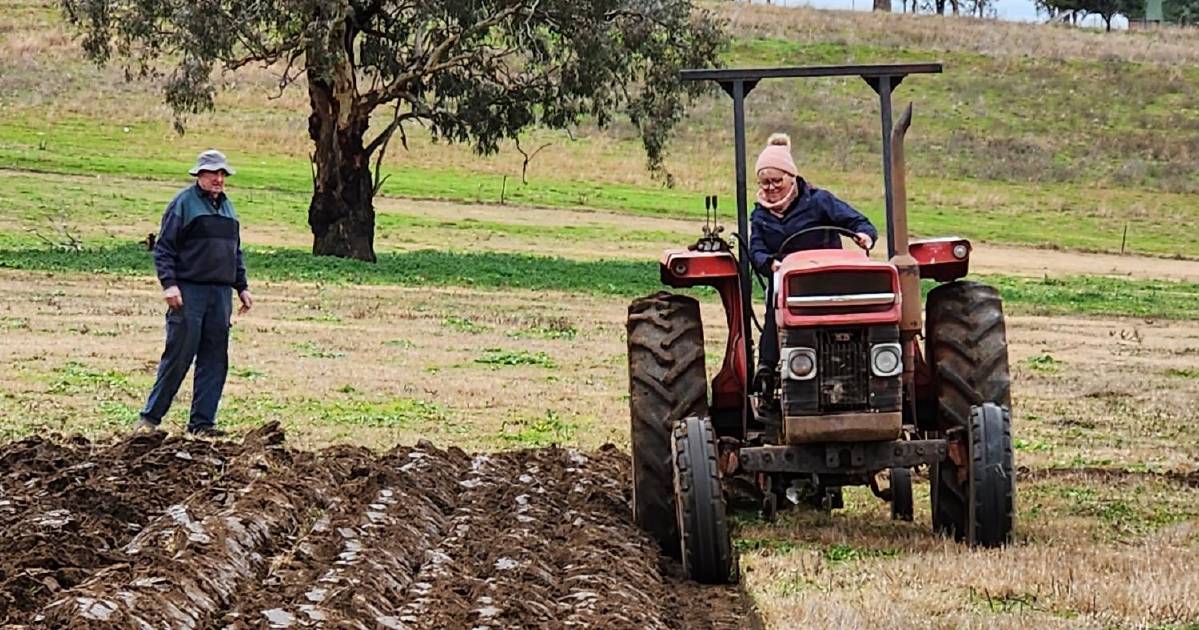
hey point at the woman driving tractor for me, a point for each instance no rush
(787, 210)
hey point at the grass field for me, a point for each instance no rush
(1105, 437)
(495, 316)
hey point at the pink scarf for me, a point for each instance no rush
(779, 208)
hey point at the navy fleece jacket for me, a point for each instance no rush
(199, 241)
(811, 208)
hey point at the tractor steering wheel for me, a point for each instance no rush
(828, 228)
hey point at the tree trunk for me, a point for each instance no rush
(341, 215)
(882, 5)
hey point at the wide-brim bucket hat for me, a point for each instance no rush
(211, 160)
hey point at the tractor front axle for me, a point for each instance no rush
(842, 458)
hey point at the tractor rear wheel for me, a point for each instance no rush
(707, 550)
(967, 347)
(667, 382)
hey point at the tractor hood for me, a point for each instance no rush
(836, 287)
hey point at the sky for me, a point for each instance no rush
(1011, 10)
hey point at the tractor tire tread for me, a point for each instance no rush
(992, 476)
(705, 544)
(666, 384)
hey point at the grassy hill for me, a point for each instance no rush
(1039, 135)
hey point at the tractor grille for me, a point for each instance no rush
(844, 371)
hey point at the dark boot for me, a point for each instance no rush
(208, 432)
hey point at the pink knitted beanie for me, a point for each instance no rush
(777, 154)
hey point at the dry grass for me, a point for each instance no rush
(1100, 542)
(1095, 391)
(306, 347)
(934, 584)
(1110, 393)
(26, 35)
(1170, 46)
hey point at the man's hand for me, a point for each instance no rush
(247, 301)
(774, 266)
(173, 297)
(863, 240)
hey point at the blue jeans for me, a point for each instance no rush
(768, 354)
(198, 331)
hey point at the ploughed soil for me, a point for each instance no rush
(157, 531)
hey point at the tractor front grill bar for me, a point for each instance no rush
(850, 299)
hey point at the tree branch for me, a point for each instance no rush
(385, 135)
(284, 79)
(266, 56)
(524, 168)
(435, 60)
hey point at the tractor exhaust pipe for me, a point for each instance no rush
(899, 184)
(909, 271)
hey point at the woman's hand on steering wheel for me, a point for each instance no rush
(864, 241)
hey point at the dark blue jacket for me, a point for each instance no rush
(811, 208)
(199, 241)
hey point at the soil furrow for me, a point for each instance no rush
(187, 565)
(361, 556)
(67, 510)
(157, 532)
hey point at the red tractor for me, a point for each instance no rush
(869, 384)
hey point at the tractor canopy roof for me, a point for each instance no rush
(738, 82)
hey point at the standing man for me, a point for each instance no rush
(198, 259)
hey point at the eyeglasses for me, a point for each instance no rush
(771, 182)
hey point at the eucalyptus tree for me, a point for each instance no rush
(470, 71)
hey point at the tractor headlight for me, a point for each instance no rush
(960, 250)
(800, 364)
(886, 359)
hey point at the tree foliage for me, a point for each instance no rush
(471, 71)
(1185, 12)
(1105, 9)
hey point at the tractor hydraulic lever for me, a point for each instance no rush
(711, 241)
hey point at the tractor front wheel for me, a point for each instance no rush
(991, 477)
(981, 508)
(707, 550)
(667, 382)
